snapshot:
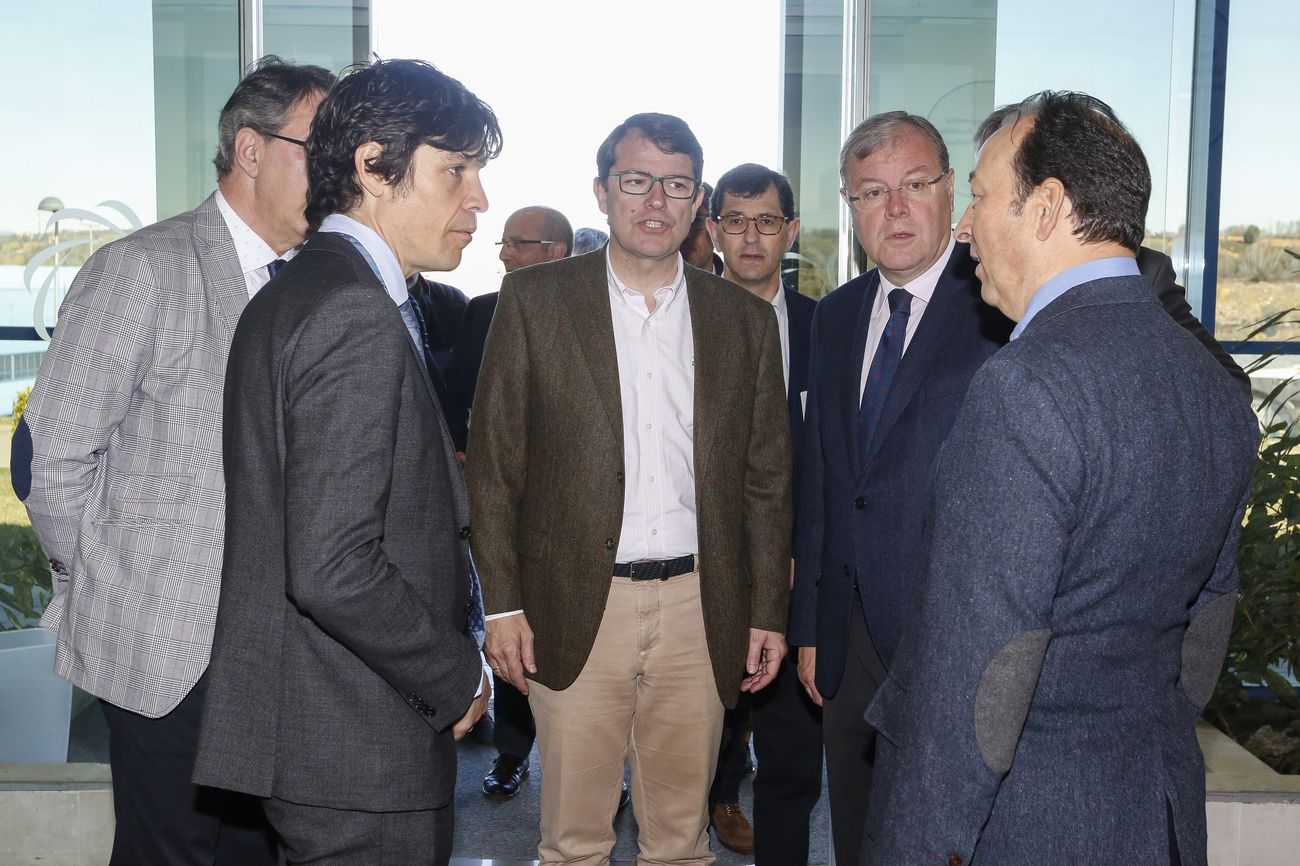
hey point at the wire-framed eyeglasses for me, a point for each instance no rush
(516, 243)
(876, 196)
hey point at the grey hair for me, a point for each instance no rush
(587, 240)
(882, 129)
(262, 102)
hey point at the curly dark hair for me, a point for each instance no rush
(400, 105)
(1078, 139)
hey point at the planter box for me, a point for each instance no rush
(35, 703)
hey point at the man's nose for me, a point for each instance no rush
(965, 230)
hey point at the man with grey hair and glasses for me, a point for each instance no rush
(127, 494)
(892, 353)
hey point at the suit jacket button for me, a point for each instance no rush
(469, 605)
(609, 544)
(620, 478)
(464, 532)
(860, 502)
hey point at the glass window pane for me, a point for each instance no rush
(814, 40)
(328, 33)
(1259, 217)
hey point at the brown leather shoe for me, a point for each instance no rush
(732, 827)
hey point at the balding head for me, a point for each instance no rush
(533, 235)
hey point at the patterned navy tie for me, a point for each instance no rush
(273, 267)
(883, 366)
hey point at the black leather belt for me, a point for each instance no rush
(655, 569)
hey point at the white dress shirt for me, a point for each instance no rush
(921, 289)
(656, 374)
(382, 259)
(254, 253)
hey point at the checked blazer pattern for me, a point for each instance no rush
(127, 489)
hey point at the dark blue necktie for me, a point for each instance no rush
(273, 267)
(883, 366)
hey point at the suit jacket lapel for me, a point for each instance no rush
(798, 324)
(921, 355)
(220, 265)
(852, 370)
(708, 323)
(594, 324)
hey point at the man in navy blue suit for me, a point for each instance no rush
(752, 222)
(892, 354)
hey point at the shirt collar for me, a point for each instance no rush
(254, 253)
(922, 288)
(664, 296)
(778, 302)
(381, 257)
(1097, 269)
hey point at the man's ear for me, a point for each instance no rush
(1050, 208)
(372, 182)
(715, 231)
(598, 187)
(793, 225)
(556, 251)
(248, 150)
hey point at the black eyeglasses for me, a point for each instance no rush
(640, 183)
(736, 223)
(297, 141)
(516, 243)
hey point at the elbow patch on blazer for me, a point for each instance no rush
(1002, 699)
(1204, 645)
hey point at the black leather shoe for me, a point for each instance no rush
(504, 778)
(624, 798)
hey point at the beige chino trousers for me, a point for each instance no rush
(646, 696)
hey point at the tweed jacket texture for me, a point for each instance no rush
(546, 467)
(1076, 600)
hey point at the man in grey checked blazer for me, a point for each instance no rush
(127, 494)
(1080, 574)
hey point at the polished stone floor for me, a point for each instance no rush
(487, 831)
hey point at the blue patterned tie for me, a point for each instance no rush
(274, 266)
(477, 625)
(883, 366)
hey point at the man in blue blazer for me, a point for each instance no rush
(909, 334)
(752, 222)
(1079, 579)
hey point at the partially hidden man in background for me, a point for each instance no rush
(126, 488)
(343, 661)
(753, 224)
(629, 470)
(1079, 573)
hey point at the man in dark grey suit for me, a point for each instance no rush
(1080, 576)
(342, 662)
(126, 491)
